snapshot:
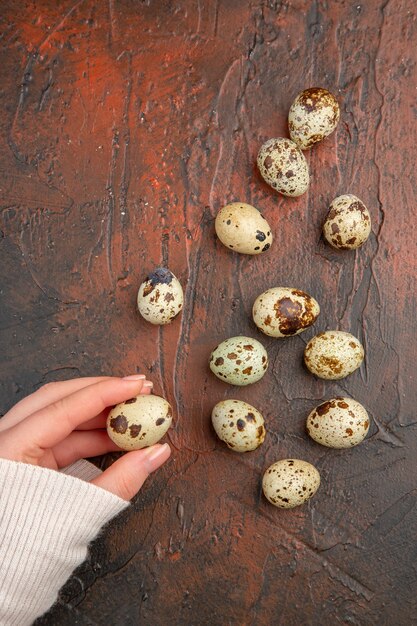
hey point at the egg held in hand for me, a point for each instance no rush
(139, 422)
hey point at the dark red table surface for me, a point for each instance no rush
(125, 126)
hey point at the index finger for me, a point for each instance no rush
(50, 425)
(45, 395)
(39, 399)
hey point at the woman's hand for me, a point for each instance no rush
(66, 421)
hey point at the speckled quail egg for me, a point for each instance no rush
(348, 223)
(284, 311)
(139, 422)
(242, 228)
(313, 115)
(338, 423)
(238, 424)
(283, 166)
(290, 482)
(239, 361)
(160, 297)
(333, 355)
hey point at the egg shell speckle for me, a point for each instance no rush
(139, 422)
(238, 424)
(290, 482)
(333, 355)
(160, 297)
(284, 311)
(338, 423)
(313, 115)
(239, 361)
(241, 228)
(283, 166)
(348, 223)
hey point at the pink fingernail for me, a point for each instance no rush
(153, 458)
(148, 383)
(134, 377)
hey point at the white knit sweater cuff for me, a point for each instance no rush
(47, 520)
(82, 469)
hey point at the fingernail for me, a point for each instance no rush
(153, 458)
(134, 377)
(148, 383)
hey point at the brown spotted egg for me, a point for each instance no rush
(333, 355)
(313, 115)
(238, 424)
(139, 422)
(239, 361)
(338, 423)
(160, 297)
(284, 311)
(241, 227)
(348, 223)
(290, 482)
(283, 166)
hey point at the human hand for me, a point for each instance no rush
(66, 421)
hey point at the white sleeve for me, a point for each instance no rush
(47, 520)
(82, 469)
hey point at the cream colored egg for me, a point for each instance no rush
(284, 311)
(241, 228)
(139, 422)
(313, 115)
(160, 297)
(333, 355)
(348, 223)
(239, 361)
(283, 166)
(290, 482)
(338, 423)
(238, 424)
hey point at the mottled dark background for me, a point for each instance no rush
(125, 126)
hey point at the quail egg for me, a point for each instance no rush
(284, 311)
(313, 115)
(239, 361)
(139, 422)
(160, 297)
(242, 228)
(290, 482)
(348, 223)
(338, 423)
(238, 424)
(333, 355)
(283, 166)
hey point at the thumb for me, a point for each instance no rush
(127, 475)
